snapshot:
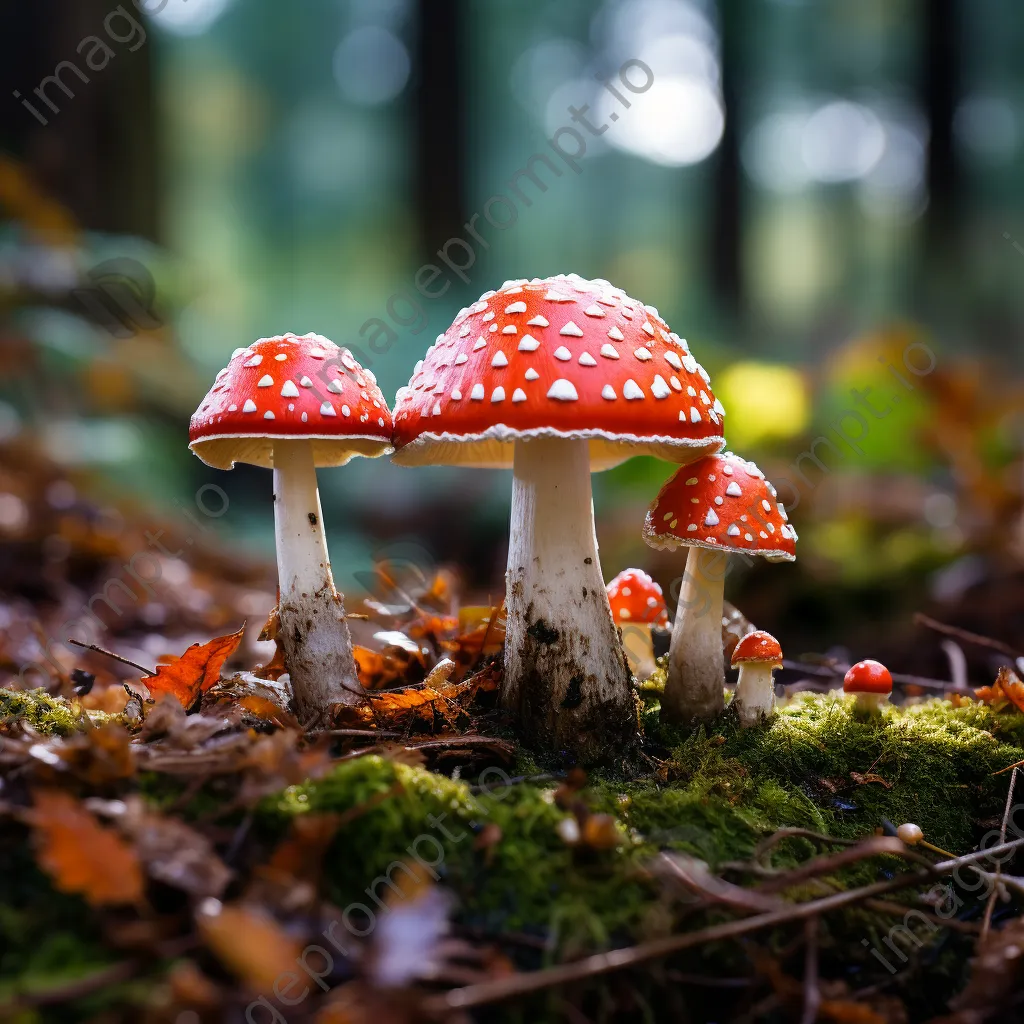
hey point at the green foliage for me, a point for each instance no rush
(46, 714)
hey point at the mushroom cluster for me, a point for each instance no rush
(554, 378)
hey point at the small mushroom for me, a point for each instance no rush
(637, 604)
(757, 656)
(719, 506)
(292, 404)
(871, 682)
(913, 835)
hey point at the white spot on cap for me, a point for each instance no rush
(461, 358)
(317, 353)
(766, 505)
(464, 331)
(289, 390)
(509, 330)
(727, 470)
(538, 321)
(733, 531)
(748, 536)
(346, 411)
(268, 415)
(719, 408)
(528, 343)
(531, 374)
(692, 482)
(711, 519)
(648, 329)
(488, 316)
(733, 490)
(253, 361)
(632, 391)
(516, 307)
(232, 408)
(571, 330)
(498, 394)
(499, 360)
(704, 373)
(563, 391)
(593, 311)
(306, 382)
(519, 395)
(479, 344)
(281, 356)
(642, 354)
(238, 352)
(783, 513)
(615, 334)
(719, 500)
(436, 411)
(770, 527)
(250, 406)
(477, 394)
(690, 364)
(563, 354)
(692, 528)
(608, 352)
(673, 360)
(492, 328)
(586, 359)
(380, 421)
(608, 392)
(674, 381)
(704, 398)
(327, 409)
(418, 366)
(554, 296)
(659, 388)
(266, 381)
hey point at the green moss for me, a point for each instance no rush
(46, 714)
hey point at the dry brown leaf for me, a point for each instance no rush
(196, 670)
(251, 944)
(80, 855)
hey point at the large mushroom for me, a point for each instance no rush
(718, 506)
(293, 404)
(637, 603)
(555, 378)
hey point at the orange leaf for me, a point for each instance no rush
(250, 943)
(196, 670)
(80, 855)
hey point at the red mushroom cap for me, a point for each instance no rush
(289, 387)
(758, 647)
(559, 357)
(635, 597)
(721, 502)
(868, 677)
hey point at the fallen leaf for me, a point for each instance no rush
(80, 855)
(196, 670)
(250, 943)
(863, 780)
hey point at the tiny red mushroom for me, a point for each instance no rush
(757, 656)
(871, 681)
(554, 378)
(292, 404)
(718, 506)
(637, 604)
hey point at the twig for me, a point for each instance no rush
(957, 664)
(833, 862)
(967, 637)
(990, 906)
(111, 654)
(812, 993)
(900, 910)
(517, 985)
(357, 733)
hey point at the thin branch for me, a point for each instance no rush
(967, 637)
(111, 654)
(517, 985)
(812, 993)
(990, 906)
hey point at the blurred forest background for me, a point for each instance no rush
(822, 197)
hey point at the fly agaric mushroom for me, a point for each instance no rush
(293, 404)
(555, 377)
(719, 506)
(757, 656)
(637, 604)
(871, 682)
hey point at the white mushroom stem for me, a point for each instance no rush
(639, 648)
(314, 634)
(695, 684)
(871, 702)
(567, 682)
(755, 691)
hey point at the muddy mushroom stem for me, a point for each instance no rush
(291, 404)
(757, 656)
(556, 378)
(718, 506)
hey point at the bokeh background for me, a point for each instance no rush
(812, 193)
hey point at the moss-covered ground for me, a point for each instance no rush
(713, 794)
